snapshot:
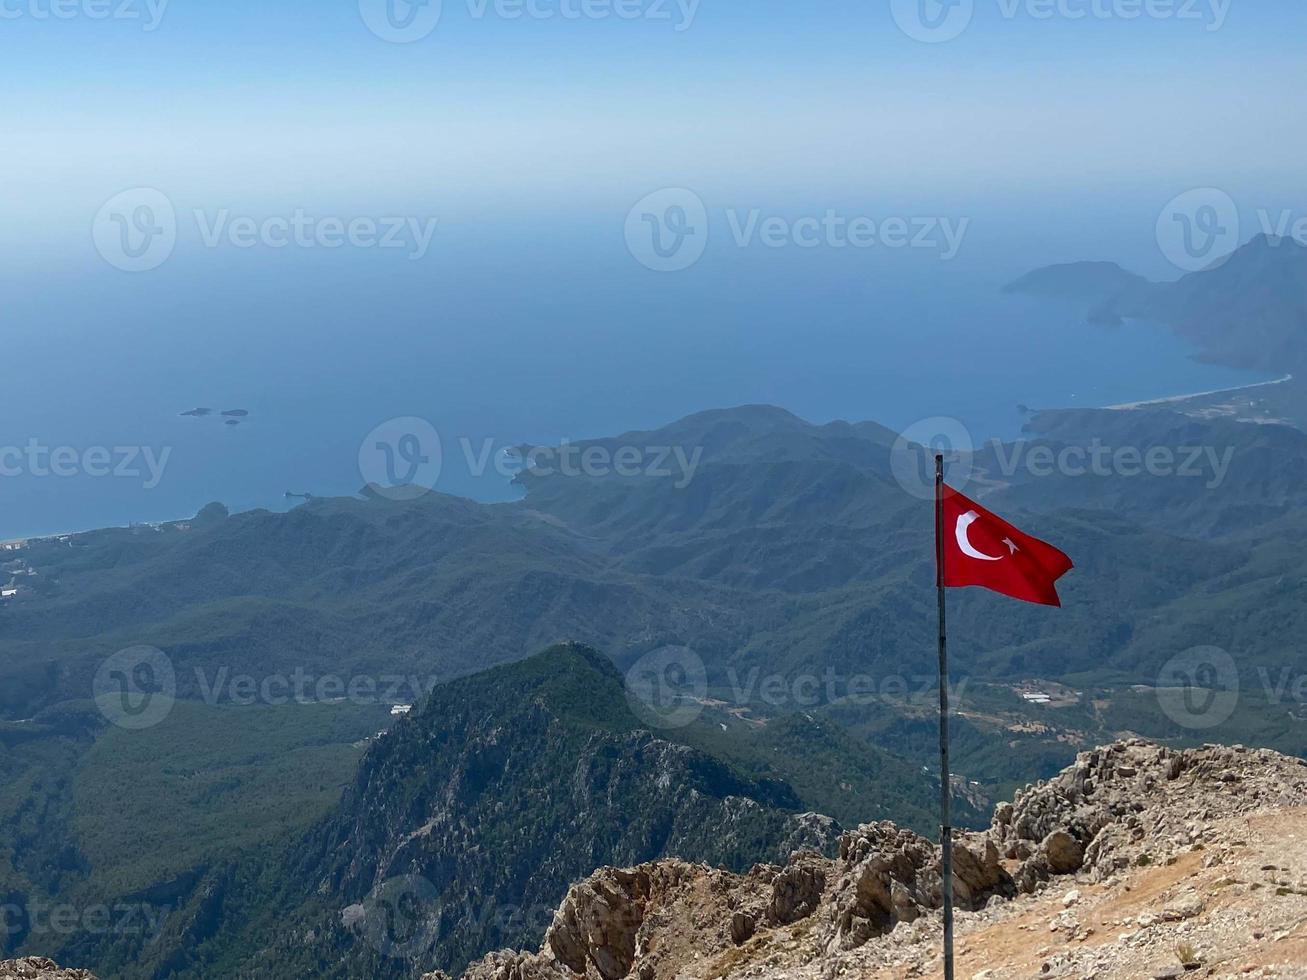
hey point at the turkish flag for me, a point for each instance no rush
(976, 547)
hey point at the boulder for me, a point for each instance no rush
(1062, 853)
(797, 890)
(743, 927)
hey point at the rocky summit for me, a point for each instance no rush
(1137, 861)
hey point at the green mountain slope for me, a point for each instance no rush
(475, 814)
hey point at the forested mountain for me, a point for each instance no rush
(792, 548)
(786, 559)
(464, 826)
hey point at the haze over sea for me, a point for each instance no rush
(522, 331)
(530, 139)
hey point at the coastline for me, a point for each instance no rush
(1174, 400)
(36, 538)
(32, 538)
(1125, 406)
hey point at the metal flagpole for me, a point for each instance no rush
(946, 830)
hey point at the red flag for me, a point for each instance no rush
(980, 548)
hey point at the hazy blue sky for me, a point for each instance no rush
(297, 101)
(1043, 135)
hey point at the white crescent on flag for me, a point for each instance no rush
(964, 522)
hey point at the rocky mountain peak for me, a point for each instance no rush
(1172, 835)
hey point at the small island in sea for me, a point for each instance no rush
(230, 416)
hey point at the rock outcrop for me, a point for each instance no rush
(1135, 801)
(1121, 808)
(885, 876)
(39, 968)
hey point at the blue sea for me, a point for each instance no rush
(521, 329)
